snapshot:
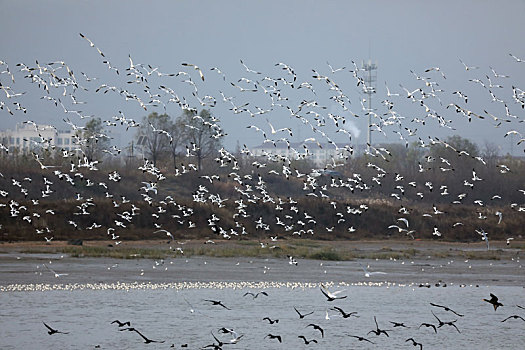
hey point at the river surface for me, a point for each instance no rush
(175, 310)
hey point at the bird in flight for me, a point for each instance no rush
(301, 316)
(515, 317)
(343, 313)
(273, 336)
(122, 324)
(368, 274)
(494, 301)
(428, 325)
(217, 302)
(331, 296)
(255, 295)
(270, 320)
(317, 327)
(57, 275)
(306, 342)
(361, 338)
(196, 68)
(415, 343)
(146, 340)
(447, 309)
(52, 331)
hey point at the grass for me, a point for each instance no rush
(298, 249)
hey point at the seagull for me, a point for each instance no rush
(331, 296)
(516, 58)
(167, 233)
(368, 274)
(52, 331)
(494, 301)
(57, 275)
(467, 67)
(194, 67)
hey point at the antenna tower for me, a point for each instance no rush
(369, 89)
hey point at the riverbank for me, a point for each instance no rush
(417, 262)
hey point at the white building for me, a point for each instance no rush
(319, 154)
(30, 137)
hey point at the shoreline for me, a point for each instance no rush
(431, 264)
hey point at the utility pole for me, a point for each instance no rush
(369, 89)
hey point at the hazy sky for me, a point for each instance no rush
(399, 35)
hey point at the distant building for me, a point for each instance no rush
(319, 154)
(28, 137)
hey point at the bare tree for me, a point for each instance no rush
(153, 135)
(202, 134)
(92, 139)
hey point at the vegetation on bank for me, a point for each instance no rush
(297, 249)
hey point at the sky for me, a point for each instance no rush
(400, 36)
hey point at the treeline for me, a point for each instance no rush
(450, 187)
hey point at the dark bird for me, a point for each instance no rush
(307, 341)
(146, 340)
(318, 328)
(449, 323)
(415, 343)
(361, 338)
(122, 324)
(428, 325)
(514, 316)
(270, 320)
(494, 301)
(271, 336)
(217, 302)
(52, 331)
(446, 309)
(215, 346)
(399, 324)
(378, 331)
(255, 295)
(343, 313)
(301, 316)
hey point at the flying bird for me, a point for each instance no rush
(494, 301)
(52, 331)
(331, 296)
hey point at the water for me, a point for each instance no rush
(164, 312)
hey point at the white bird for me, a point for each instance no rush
(57, 275)
(368, 274)
(167, 233)
(484, 237)
(331, 296)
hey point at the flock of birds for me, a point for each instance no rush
(62, 87)
(315, 331)
(58, 78)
